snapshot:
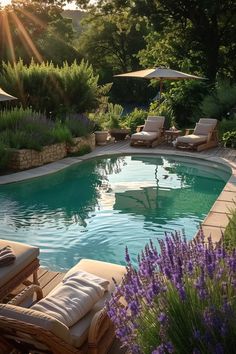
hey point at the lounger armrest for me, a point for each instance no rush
(188, 131)
(139, 128)
(27, 292)
(99, 326)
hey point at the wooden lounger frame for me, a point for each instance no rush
(26, 337)
(212, 141)
(21, 277)
(148, 143)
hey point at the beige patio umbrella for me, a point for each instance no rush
(4, 96)
(160, 74)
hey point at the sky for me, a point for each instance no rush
(6, 2)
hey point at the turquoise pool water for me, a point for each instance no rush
(95, 208)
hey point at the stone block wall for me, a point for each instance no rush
(24, 159)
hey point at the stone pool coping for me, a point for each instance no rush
(216, 220)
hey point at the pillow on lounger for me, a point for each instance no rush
(152, 125)
(71, 300)
(203, 129)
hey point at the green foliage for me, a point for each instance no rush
(47, 87)
(229, 139)
(113, 116)
(25, 129)
(4, 155)
(61, 133)
(183, 101)
(135, 118)
(85, 149)
(37, 30)
(229, 237)
(226, 125)
(163, 109)
(220, 101)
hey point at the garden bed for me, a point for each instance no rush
(24, 159)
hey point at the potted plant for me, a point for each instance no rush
(113, 122)
(101, 132)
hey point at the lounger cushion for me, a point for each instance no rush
(105, 270)
(152, 125)
(79, 332)
(192, 139)
(211, 121)
(72, 300)
(36, 318)
(203, 129)
(145, 136)
(25, 254)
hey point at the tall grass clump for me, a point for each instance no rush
(180, 300)
(47, 87)
(221, 100)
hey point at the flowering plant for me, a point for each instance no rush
(181, 300)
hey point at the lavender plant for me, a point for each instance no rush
(180, 300)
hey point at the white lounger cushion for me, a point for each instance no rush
(153, 125)
(147, 136)
(72, 300)
(192, 139)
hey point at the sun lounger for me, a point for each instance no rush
(151, 134)
(37, 329)
(14, 272)
(204, 136)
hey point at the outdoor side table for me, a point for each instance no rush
(25, 265)
(171, 135)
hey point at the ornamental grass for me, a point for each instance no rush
(179, 300)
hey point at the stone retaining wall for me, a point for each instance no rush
(24, 159)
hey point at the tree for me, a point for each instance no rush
(205, 27)
(33, 29)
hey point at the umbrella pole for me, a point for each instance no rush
(161, 87)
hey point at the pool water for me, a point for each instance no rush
(95, 208)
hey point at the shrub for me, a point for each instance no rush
(229, 139)
(226, 125)
(79, 125)
(48, 88)
(184, 99)
(135, 118)
(229, 238)
(4, 156)
(221, 100)
(61, 133)
(179, 301)
(163, 109)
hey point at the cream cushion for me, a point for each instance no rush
(153, 125)
(25, 254)
(36, 318)
(192, 139)
(146, 136)
(211, 121)
(203, 129)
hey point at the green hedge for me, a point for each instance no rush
(48, 88)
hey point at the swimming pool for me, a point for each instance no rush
(97, 207)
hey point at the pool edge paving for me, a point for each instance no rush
(218, 217)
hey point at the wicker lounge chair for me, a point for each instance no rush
(204, 136)
(25, 264)
(32, 330)
(151, 134)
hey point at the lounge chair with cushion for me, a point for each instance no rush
(26, 262)
(70, 319)
(204, 136)
(151, 134)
